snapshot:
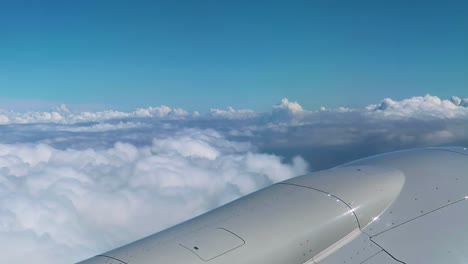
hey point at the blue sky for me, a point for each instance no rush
(246, 54)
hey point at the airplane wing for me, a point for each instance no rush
(402, 207)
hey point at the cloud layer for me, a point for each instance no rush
(421, 107)
(74, 184)
(62, 205)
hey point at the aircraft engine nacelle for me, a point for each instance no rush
(401, 207)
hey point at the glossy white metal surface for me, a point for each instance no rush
(404, 207)
(368, 190)
(210, 243)
(433, 178)
(382, 258)
(355, 252)
(280, 224)
(438, 237)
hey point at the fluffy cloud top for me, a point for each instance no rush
(63, 115)
(74, 184)
(231, 113)
(422, 107)
(59, 206)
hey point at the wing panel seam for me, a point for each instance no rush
(327, 193)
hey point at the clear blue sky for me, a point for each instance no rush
(247, 54)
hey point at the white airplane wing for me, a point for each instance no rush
(401, 207)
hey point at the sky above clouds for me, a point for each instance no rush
(247, 54)
(74, 183)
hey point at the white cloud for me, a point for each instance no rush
(421, 107)
(101, 127)
(231, 113)
(459, 102)
(63, 115)
(291, 107)
(161, 111)
(60, 206)
(287, 110)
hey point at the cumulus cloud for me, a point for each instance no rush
(59, 206)
(231, 113)
(77, 183)
(422, 107)
(101, 127)
(287, 110)
(290, 107)
(63, 115)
